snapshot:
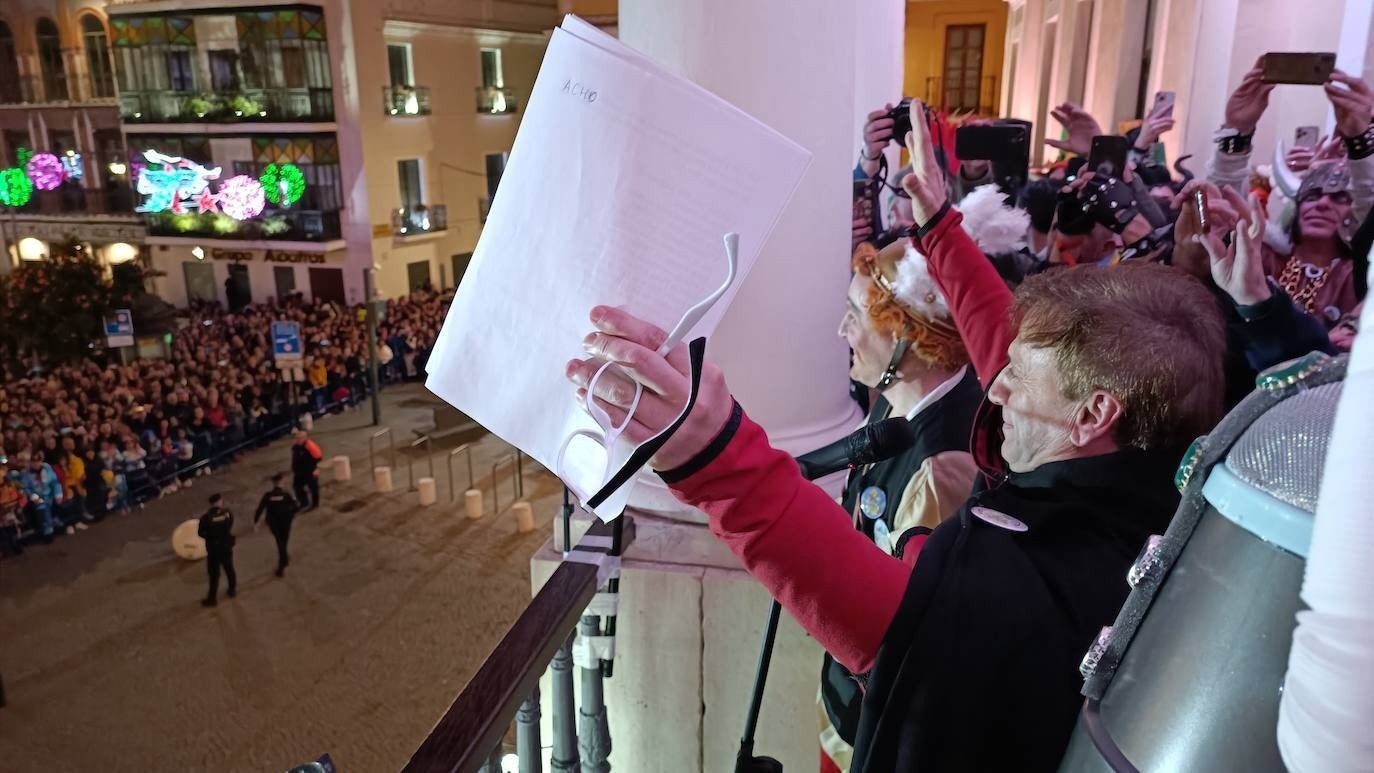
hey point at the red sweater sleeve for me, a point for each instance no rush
(792, 537)
(978, 299)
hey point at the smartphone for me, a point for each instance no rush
(1108, 156)
(1164, 104)
(1000, 141)
(1306, 137)
(1311, 69)
(1200, 204)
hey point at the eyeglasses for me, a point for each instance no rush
(608, 432)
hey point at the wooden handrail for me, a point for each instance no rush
(477, 719)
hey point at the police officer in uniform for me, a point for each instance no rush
(906, 348)
(217, 529)
(280, 508)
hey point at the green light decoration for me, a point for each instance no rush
(15, 187)
(23, 154)
(283, 184)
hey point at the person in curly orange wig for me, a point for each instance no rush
(906, 347)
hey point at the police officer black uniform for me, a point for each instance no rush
(281, 509)
(217, 529)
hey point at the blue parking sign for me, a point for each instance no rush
(120, 330)
(286, 341)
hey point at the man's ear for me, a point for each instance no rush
(1095, 420)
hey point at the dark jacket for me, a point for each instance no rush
(942, 426)
(217, 529)
(279, 506)
(1001, 607)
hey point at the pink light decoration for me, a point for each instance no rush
(241, 197)
(45, 169)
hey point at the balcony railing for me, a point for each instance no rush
(57, 88)
(406, 100)
(409, 221)
(495, 100)
(260, 105)
(469, 737)
(297, 225)
(73, 200)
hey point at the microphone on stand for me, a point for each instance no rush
(871, 443)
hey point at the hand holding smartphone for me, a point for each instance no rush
(1163, 105)
(1304, 69)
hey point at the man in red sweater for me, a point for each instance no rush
(1096, 379)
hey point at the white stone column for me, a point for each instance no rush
(690, 620)
(795, 72)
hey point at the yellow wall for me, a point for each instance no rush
(589, 8)
(925, 39)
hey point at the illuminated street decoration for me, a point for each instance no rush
(180, 187)
(15, 187)
(71, 165)
(241, 197)
(172, 184)
(283, 184)
(45, 170)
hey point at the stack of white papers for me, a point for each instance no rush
(621, 184)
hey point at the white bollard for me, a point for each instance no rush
(187, 542)
(472, 503)
(382, 477)
(524, 516)
(343, 468)
(428, 491)
(307, 421)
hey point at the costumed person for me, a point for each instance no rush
(906, 348)
(1311, 259)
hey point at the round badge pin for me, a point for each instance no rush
(882, 536)
(999, 519)
(873, 502)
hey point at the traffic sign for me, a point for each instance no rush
(120, 330)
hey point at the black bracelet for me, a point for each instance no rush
(1236, 143)
(919, 231)
(1361, 145)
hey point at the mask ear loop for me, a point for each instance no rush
(890, 375)
(610, 431)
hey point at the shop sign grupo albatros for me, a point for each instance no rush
(267, 256)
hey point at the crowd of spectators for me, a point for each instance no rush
(86, 439)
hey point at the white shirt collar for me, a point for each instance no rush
(936, 393)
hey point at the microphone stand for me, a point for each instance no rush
(745, 761)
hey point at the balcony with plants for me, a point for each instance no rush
(496, 100)
(284, 105)
(278, 71)
(419, 219)
(405, 100)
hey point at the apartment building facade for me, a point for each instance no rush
(259, 150)
(62, 152)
